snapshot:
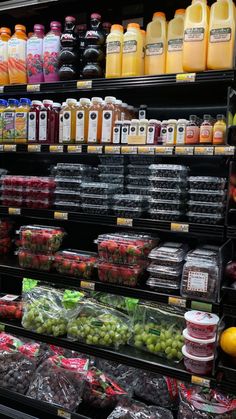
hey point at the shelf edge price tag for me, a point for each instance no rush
(200, 305)
(164, 150)
(87, 285)
(60, 215)
(187, 151)
(225, 150)
(56, 148)
(204, 151)
(129, 150)
(179, 227)
(2, 327)
(146, 150)
(1, 147)
(33, 88)
(84, 84)
(14, 211)
(9, 147)
(125, 222)
(74, 148)
(63, 414)
(34, 148)
(186, 77)
(95, 149)
(176, 301)
(2, 88)
(110, 149)
(200, 381)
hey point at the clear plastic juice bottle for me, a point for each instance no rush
(219, 130)
(195, 36)
(34, 58)
(9, 121)
(21, 121)
(175, 35)
(163, 135)
(51, 50)
(132, 51)
(108, 119)
(192, 130)
(44, 121)
(17, 56)
(206, 130)
(5, 34)
(82, 118)
(61, 122)
(143, 33)
(3, 105)
(118, 110)
(33, 121)
(221, 35)
(114, 51)
(69, 121)
(95, 120)
(155, 58)
(171, 132)
(54, 123)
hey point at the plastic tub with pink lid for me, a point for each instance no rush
(201, 325)
(196, 364)
(199, 347)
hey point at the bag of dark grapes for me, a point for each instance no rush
(60, 381)
(131, 409)
(205, 403)
(125, 376)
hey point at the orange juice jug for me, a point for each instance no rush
(95, 120)
(221, 35)
(69, 121)
(132, 51)
(17, 56)
(5, 35)
(114, 44)
(82, 114)
(195, 36)
(155, 57)
(175, 35)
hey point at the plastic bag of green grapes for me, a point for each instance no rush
(96, 324)
(158, 329)
(124, 304)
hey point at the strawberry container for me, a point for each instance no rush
(201, 325)
(75, 263)
(9, 191)
(12, 201)
(38, 204)
(28, 260)
(196, 364)
(169, 170)
(5, 245)
(41, 183)
(199, 347)
(34, 193)
(5, 228)
(40, 239)
(10, 307)
(121, 275)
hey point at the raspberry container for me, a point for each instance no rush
(163, 285)
(137, 180)
(111, 160)
(75, 263)
(172, 205)
(28, 260)
(39, 204)
(169, 254)
(5, 245)
(206, 207)
(197, 217)
(207, 196)
(207, 183)
(198, 365)
(165, 215)
(96, 209)
(199, 347)
(138, 170)
(100, 188)
(64, 195)
(168, 194)
(10, 307)
(92, 199)
(168, 183)
(111, 169)
(67, 205)
(141, 160)
(70, 183)
(130, 201)
(112, 178)
(201, 325)
(8, 191)
(11, 201)
(39, 239)
(127, 212)
(121, 275)
(38, 194)
(169, 170)
(137, 190)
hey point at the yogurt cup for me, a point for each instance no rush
(201, 325)
(197, 365)
(199, 347)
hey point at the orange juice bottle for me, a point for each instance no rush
(132, 51)
(95, 120)
(221, 35)
(155, 58)
(5, 34)
(114, 44)
(82, 116)
(69, 121)
(17, 56)
(174, 56)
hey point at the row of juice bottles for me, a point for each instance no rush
(197, 39)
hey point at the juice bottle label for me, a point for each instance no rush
(93, 126)
(32, 127)
(142, 130)
(34, 58)
(192, 135)
(51, 48)
(66, 126)
(206, 134)
(61, 129)
(17, 60)
(9, 125)
(106, 126)
(218, 136)
(133, 130)
(79, 126)
(170, 138)
(3, 63)
(21, 125)
(43, 126)
(150, 135)
(181, 131)
(220, 35)
(163, 134)
(155, 49)
(116, 134)
(130, 46)
(124, 135)
(194, 34)
(114, 47)
(175, 44)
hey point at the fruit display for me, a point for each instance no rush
(75, 263)
(10, 307)
(118, 274)
(228, 341)
(169, 170)
(158, 329)
(40, 261)
(131, 409)
(207, 183)
(41, 239)
(95, 324)
(124, 375)
(60, 381)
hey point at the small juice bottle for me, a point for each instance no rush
(3, 105)
(44, 121)
(171, 132)
(21, 121)
(5, 34)
(114, 44)
(206, 130)
(35, 55)
(82, 118)
(51, 51)
(192, 131)
(33, 121)
(108, 119)
(17, 56)
(174, 57)
(155, 58)
(9, 121)
(118, 110)
(54, 123)
(61, 122)
(69, 121)
(132, 51)
(95, 120)
(219, 130)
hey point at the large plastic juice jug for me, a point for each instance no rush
(17, 56)
(69, 121)
(3, 105)
(5, 34)
(82, 117)
(94, 54)
(155, 58)
(34, 58)
(9, 121)
(175, 35)
(114, 51)
(51, 50)
(95, 120)
(69, 59)
(221, 35)
(132, 51)
(195, 36)
(21, 121)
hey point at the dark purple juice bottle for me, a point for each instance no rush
(68, 60)
(94, 56)
(81, 31)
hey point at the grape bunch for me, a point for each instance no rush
(16, 371)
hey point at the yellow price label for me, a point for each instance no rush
(164, 150)
(200, 381)
(2, 88)
(34, 148)
(129, 150)
(74, 148)
(180, 302)
(225, 150)
(125, 222)
(186, 77)
(63, 414)
(109, 149)
(87, 285)
(146, 150)
(179, 227)
(33, 88)
(98, 149)
(84, 84)
(14, 211)
(56, 148)
(205, 151)
(9, 147)
(187, 151)
(60, 215)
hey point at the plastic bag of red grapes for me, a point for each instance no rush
(130, 409)
(203, 403)
(125, 376)
(60, 381)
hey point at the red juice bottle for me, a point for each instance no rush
(44, 121)
(33, 121)
(54, 123)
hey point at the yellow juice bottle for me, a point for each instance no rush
(175, 35)
(219, 130)
(17, 56)
(95, 120)
(3, 105)
(132, 51)
(114, 51)
(221, 35)
(9, 113)
(21, 121)
(82, 117)
(5, 34)
(195, 36)
(155, 54)
(69, 121)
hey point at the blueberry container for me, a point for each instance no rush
(111, 160)
(64, 195)
(165, 215)
(137, 180)
(207, 183)
(68, 183)
(100, 188)
(168, 194)
(96, 209)
(130, 201)
(165, 272)
(142, 160)
(67, 205)
(170, 254)
(138, 170)
(163, 286)
(169, 205)
(111, 169)
(207, 196)
(169, 170)
(137, 190)
(112, 178)
(63, 169)
(168, 183)
(206, 207)
(127, 212)
(96, 199)
(195, 217)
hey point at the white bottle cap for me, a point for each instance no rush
(97, 100)
(85, 101)
(135, 121)
(153, 121)
(127, 122)
(56, 105)
(172, 121)
(118, 102)
(110, 99)
(143, 121)
(47, 102)
(36, 102)
(182, 121)
(164, 122)
(124, 105)
(71, 101)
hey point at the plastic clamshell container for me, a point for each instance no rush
(75, 263)
(137, 180)
(163, 285)
(112, 178)
(64, 195)
(39, 239)
(5, 245)
(199, 347)
(67, 205)
(196, 364)
(201, 325)
(68, 183)
(100, 188)
(143, 161)
(120, 275)
(205, 254)
(10, 307)
(207, 196)
(131, 201)
(169, 170)
(196, 217)
(173, 205)
(206, 207)
(111, 160)
(5, 227)
(92, 199)
(165, 272)
(111, 169)
(28, 181)
(40, 261)
(63, 169)
(138, 170)
(168, 194)
(138, 190)
(168, 183)
(11, 201)
(169, 254)
(127, 212)
(207, 183)
(96, 209)
(35, 203)
(165, 215)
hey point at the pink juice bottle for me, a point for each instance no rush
(51, 51)
(34, 59)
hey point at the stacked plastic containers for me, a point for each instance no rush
(5, 236)
(76, 263)
(166, 267)
(38, 246)
(207, 199)
(200, 338)
(169, 185)
(27, 191)
(123, 257)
